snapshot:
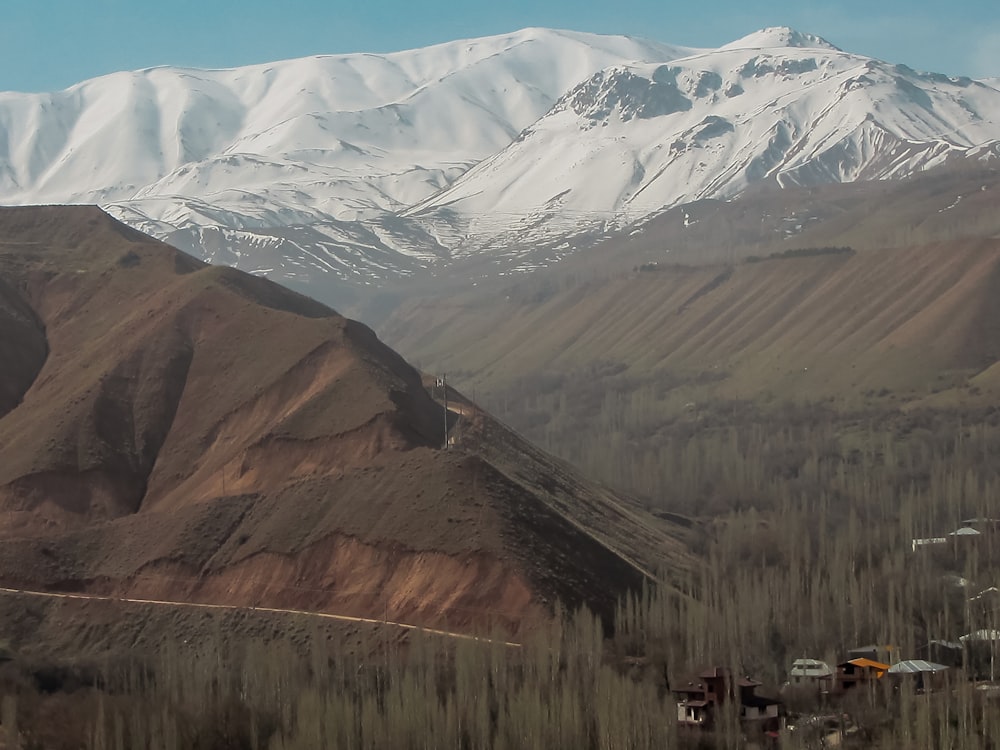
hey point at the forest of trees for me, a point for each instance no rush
(567, 686)
(803, 515)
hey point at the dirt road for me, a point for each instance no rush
(303, 613)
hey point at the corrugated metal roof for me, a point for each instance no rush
(916, 666)
(981, 635)
(810, 668)
(953, 645)
(991, 591)
(965, 531)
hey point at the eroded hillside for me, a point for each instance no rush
(190, 432)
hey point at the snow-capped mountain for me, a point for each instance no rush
(294, 163)
(365, 167)
(776, 106)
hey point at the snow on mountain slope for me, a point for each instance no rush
(314, 141)
(169, 128)
(357, 168)
(779, 36)
(635, 139)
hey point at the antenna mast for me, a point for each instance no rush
(442, 383)
(444, 387)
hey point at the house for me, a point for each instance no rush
(926, 675)
(700, 698)
(941, 651)
(984, 635)
(927, 540)
(812, 674)
(861, 671)
(982, 649)
(983, 524)
(989, 598)
(968, 531)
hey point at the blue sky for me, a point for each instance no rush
(50, 44)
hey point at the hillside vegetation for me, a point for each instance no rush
(811, 409)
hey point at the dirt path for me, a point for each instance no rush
(272, 610)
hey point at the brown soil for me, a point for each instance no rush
(811, 327)
(175, 430)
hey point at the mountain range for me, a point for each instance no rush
(349, 170)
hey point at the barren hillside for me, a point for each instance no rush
(834, 323)
(189, 432)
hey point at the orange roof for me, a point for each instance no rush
(877, 665)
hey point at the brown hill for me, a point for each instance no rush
(831, 324)
(179, 431)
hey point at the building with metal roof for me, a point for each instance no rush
(916, 666)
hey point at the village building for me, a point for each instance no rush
(966, 531)
(988, 599)
(983, 524)
(969, 530)
(925, 675)
(860, 671)
(811, 673)
(941, 651)
(699, 700)
(915, 543)
(981, 653)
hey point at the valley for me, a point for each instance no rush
(720, 329)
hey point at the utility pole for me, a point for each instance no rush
(444, 387)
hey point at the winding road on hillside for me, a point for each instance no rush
(270, 610)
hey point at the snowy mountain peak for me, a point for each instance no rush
(623, 91)
(780, 36)
(632, 140)
(363, 167)
(647, 91)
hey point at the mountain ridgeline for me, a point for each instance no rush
(510, 152)
(755, 289)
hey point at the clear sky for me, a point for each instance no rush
(51, 44)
